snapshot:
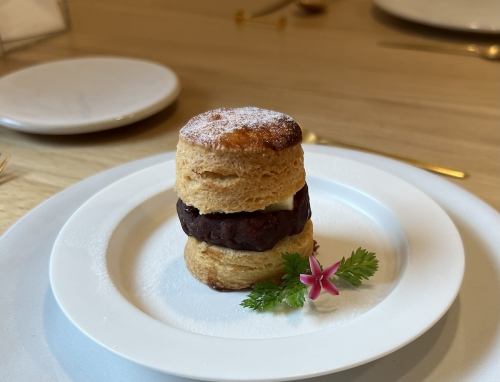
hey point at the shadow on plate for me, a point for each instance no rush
(155, 125)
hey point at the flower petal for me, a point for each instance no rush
(329, 287)
(331, 270)
(314, 265)
(315, 291)
(307, 279)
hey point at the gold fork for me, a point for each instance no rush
(310, 137)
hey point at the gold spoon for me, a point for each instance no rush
(488, 52)
(312, 138)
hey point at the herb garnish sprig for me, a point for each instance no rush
(301, 272)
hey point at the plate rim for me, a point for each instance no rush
(276, 377)
(71, 128)
(458, 27)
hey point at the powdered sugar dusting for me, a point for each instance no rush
(242, 128)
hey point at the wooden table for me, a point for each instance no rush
(328, 71)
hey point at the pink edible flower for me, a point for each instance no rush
(319, 279)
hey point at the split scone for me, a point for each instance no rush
(243, 200)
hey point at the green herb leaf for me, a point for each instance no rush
(268, 295)
(361, 265)
(294, 265)
(293, 290)
(293, 293)
(264, 296)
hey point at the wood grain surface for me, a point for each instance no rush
(328, 71)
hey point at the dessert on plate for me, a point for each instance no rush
(243, 199)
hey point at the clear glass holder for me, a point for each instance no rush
(7, 45)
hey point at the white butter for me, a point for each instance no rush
(285, 204)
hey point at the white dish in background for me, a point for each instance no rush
(480, 16)
(84, 94)
(118, 273)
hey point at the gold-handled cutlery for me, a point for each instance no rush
(487, 52)
(312, 138)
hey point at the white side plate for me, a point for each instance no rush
(84, 94)
(480, 16)
(117, 272)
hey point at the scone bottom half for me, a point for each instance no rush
(243, 200)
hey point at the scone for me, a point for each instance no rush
(243, 200)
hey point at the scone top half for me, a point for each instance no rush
(241, 159)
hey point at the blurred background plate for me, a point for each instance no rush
(481, 16)
(85, 94)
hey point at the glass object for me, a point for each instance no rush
(23, 22)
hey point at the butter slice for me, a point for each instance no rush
(285, 204)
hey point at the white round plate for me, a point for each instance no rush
(40, 344)
(84, 94)
(480, 16)
(117, 272)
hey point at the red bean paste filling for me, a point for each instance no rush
(249, 231)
